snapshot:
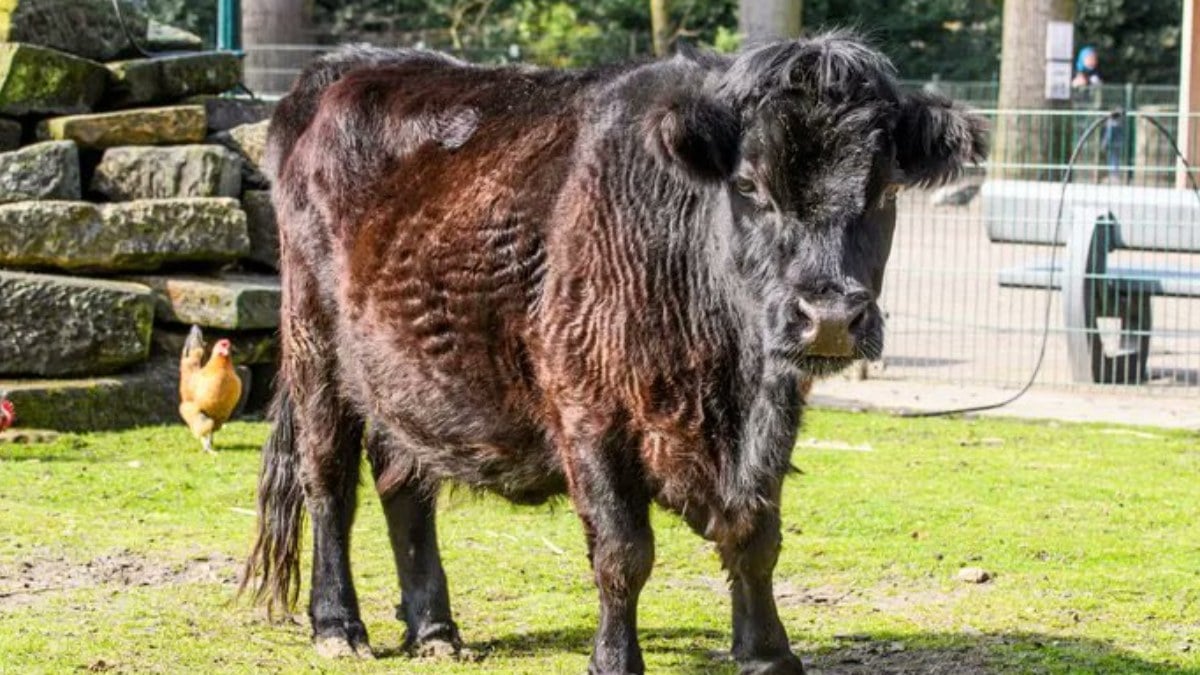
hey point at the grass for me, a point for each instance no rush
(118, 552)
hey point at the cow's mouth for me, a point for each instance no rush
(821, 366)
(868, 348)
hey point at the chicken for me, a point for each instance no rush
(8, 414)
(208, 393)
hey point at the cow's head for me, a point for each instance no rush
(810, 140)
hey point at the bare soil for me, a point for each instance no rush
(24, 582)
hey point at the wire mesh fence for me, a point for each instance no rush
(980, 270)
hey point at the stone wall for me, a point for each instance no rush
(131, 206)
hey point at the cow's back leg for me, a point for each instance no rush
(329, 443)
(749, 554)
(612, 499)
(409, 504)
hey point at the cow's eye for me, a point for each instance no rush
(744, 186)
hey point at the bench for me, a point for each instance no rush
(1098, 219)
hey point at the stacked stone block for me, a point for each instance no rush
(131, 206)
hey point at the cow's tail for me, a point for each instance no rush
(272, 571)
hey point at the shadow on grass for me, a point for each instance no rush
(980, 654)
(46, 452)
(237, 447)
(705, 651)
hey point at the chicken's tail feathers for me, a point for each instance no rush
(272, 571)
(195, 340)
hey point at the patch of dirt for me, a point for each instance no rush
(788, 594)
(24, 582)
(896, 658)
(929, 598)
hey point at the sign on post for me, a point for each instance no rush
(1060, 44)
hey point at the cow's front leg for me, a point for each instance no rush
(760, 643)
(611, 498)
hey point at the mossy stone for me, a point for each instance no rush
(55, 325)
(123, 236)
(37, 80)
(144, 126)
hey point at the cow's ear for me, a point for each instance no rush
(936, 139)
(695, 134)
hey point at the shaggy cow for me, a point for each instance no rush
(609, 282)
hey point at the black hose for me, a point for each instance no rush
(1037, 367)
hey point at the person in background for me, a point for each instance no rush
(1087, 68)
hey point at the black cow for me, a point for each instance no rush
(610, 282)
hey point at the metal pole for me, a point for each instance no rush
(1189, 89)
(229, 25)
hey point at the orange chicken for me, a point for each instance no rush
(208, 392)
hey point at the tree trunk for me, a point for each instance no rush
(1022, 139)
(765, 20)
(266, 23)
(659, 26)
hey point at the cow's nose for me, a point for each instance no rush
(829, 327)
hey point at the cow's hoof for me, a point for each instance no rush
(437, 649)
(345, 642)
(332, 647)
(783, 665)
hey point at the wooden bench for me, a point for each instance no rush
(1098, 219)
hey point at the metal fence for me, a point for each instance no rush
(1129, 96)
(973, 267)
(966, 290)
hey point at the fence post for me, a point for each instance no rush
(229, 25)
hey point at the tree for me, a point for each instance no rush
(1027, 139)
(1137, 40)
(763, 20)
(660, 26)
(266, 24)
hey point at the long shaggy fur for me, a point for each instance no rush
(590, 281)
(272, 571)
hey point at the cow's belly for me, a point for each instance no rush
(464, 412)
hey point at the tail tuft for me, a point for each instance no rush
(273, 569)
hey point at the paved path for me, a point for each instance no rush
(1111, 407)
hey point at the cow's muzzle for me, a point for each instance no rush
(832, 328)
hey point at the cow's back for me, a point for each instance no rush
(423, 191)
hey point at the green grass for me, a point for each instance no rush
(1092, 535)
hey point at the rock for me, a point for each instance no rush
(56, 325)
(262, 228)
(225, 112)
(159, 172)
(234, 301)
(250, 141)
(145, 126)
(124, 236)
(36, 80)
(47, 170)
(148, 394)
(957, 194)
(161, 37)
(250, 348)
(163, 79)
(974, 575)
(10, 134)
(87, 28)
